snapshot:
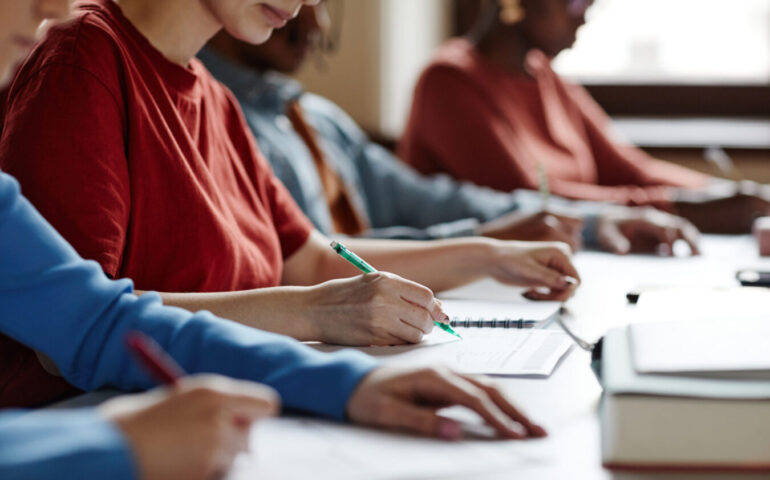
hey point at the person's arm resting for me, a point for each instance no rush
(55, 445)
(54, 302)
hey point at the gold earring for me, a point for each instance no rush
(511, 12)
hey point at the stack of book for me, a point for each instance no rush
(687, 396)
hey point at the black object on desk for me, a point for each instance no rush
(753, 278)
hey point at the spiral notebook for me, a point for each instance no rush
(488, 314)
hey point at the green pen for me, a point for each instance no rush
(361, 264)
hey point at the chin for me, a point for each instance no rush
(254, 35)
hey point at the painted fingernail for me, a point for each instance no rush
(569, 281)
(449, 429)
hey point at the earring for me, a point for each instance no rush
(511, 12)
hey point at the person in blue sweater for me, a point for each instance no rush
(195, 429)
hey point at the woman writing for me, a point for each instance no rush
(144, 163)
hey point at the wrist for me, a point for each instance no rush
(307, 317)
(480, 257)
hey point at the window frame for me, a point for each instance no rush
(658, 99)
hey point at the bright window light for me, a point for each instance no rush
(672, 41)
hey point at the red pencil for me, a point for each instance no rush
(151, 356)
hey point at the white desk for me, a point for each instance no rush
(565, 404)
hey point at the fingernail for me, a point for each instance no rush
(444, 318)
(449, 429)
(516, 432)
(569, 281)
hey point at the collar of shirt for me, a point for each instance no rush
(269, 91)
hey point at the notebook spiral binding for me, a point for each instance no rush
(491, 323)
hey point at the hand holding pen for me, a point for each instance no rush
(362, 265)
(195, 428)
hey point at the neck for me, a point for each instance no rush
(505, 48)
(177, 28)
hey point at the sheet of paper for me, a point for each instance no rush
(739, 345)
(289, 448)
(528, 352)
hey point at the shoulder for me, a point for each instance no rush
(329, 115)
(86, 45)
(455, 66)
(9, 191)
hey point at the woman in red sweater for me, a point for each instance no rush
(490, 109)
(129, 147)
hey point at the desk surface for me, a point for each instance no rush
(566, 403)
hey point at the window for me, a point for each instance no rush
(725, 42)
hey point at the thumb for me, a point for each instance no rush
(611, 238)
(252, 401)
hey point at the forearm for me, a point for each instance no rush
(62, 444)
(439, 265)
(46, 287)
(277, 310)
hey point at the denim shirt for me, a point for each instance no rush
(395, 200)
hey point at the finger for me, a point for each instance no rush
(573, 223)
(437, 312)
(613, 240)
(231, 443)
(534, 274)
(552, 295)
(452, 389)
(398, 414)
(400, 332)
(389, 340)
(419, 295)
(564, 235)
(691, 236)
(661, 234)
(562, 263)
(417, 317)
(507, 407)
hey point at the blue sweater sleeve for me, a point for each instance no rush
(53, 445)
(55, 302)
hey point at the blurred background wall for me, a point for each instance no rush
(383, 46)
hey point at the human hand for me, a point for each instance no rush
(624, 230)
(726, 207)
(543, 226)
(536, 265)
(193, 430)
(373, 309)
(409, 399)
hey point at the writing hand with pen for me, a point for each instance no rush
(195, 426)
